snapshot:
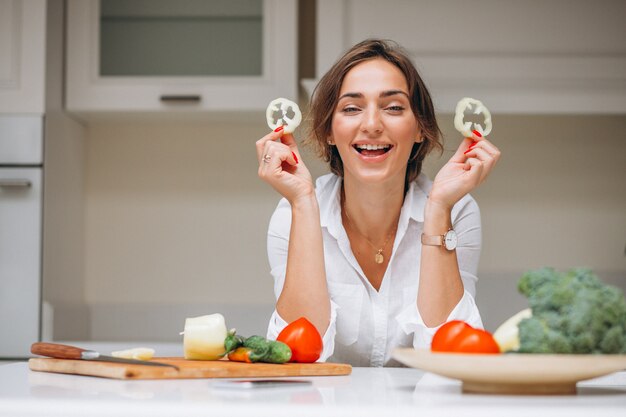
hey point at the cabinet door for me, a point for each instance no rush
(515, 56)
(172, 55)
(20, 259)
(22, 56)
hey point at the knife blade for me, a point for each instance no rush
(59, 351)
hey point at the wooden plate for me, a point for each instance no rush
(513, 373)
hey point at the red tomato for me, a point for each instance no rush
(446, 334)
(303, 339)
(476, 341)
(458, 336)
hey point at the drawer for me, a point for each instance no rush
(21, 140)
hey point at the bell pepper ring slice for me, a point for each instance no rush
(283, 105)
(465, 128)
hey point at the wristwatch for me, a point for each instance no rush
(448, 240)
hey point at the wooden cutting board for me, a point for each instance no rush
(188, 369)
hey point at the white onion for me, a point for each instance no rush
(507, 335)
(204, 337)
(283, 105)
(465, 128)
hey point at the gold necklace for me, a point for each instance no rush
(378, 256)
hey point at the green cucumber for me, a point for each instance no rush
(279, 353)
(261, 349)
(259, 345)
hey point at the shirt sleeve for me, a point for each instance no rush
(466, 223)
(277, 249)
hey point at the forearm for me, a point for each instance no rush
(440, 286)
(305, 292)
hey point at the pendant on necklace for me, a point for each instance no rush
(379, 258)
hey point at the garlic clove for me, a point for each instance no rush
(140, 353)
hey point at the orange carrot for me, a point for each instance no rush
(241, 354)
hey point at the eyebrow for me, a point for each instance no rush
(386, 93)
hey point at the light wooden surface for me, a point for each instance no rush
(188, 369)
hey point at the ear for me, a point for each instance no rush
(330, 141)
(419, 138)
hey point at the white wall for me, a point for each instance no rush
(176, 217)
(64, 314)
(557, 198)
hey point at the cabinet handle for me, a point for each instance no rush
(180, 98)
(15, 183)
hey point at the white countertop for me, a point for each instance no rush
(367, 392)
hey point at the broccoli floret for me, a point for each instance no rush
(572, 312)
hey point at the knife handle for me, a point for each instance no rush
(55, 350)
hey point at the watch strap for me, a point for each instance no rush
(434, 240)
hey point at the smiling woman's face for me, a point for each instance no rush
(373, 125)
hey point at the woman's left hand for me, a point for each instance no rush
(469, 167)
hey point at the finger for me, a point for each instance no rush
(476, 136)
(289, 140)
(277, 165)
(488, 161)
(486, 152)
(270, 137)
(468, 143)
(273, 158)
(274, 146)
(474, 170)
(490, 148)
(480, 154)
(459, 155)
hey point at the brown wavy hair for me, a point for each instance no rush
(326, 96)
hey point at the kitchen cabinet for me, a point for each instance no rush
(41, 159)
(523, 57)
(21, 205)
(22, 105)
(20, 258)
(179, 56)
(22, 45)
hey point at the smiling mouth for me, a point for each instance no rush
(372, 150)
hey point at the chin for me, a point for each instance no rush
(375, 176)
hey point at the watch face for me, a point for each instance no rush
(450, 240)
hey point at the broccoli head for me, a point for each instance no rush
(572, 312)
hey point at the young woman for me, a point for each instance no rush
(374, 254)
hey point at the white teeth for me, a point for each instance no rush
(371, 147)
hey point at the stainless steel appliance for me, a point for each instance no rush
(21, 167)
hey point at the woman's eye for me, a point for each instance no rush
(395, 108)
(350, 109)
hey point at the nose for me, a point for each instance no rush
(371, 123)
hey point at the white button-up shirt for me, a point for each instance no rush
(366, 325)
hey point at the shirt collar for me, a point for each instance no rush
(329, 198)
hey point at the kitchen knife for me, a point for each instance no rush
(58, 351)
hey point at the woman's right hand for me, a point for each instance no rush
(281, 167)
